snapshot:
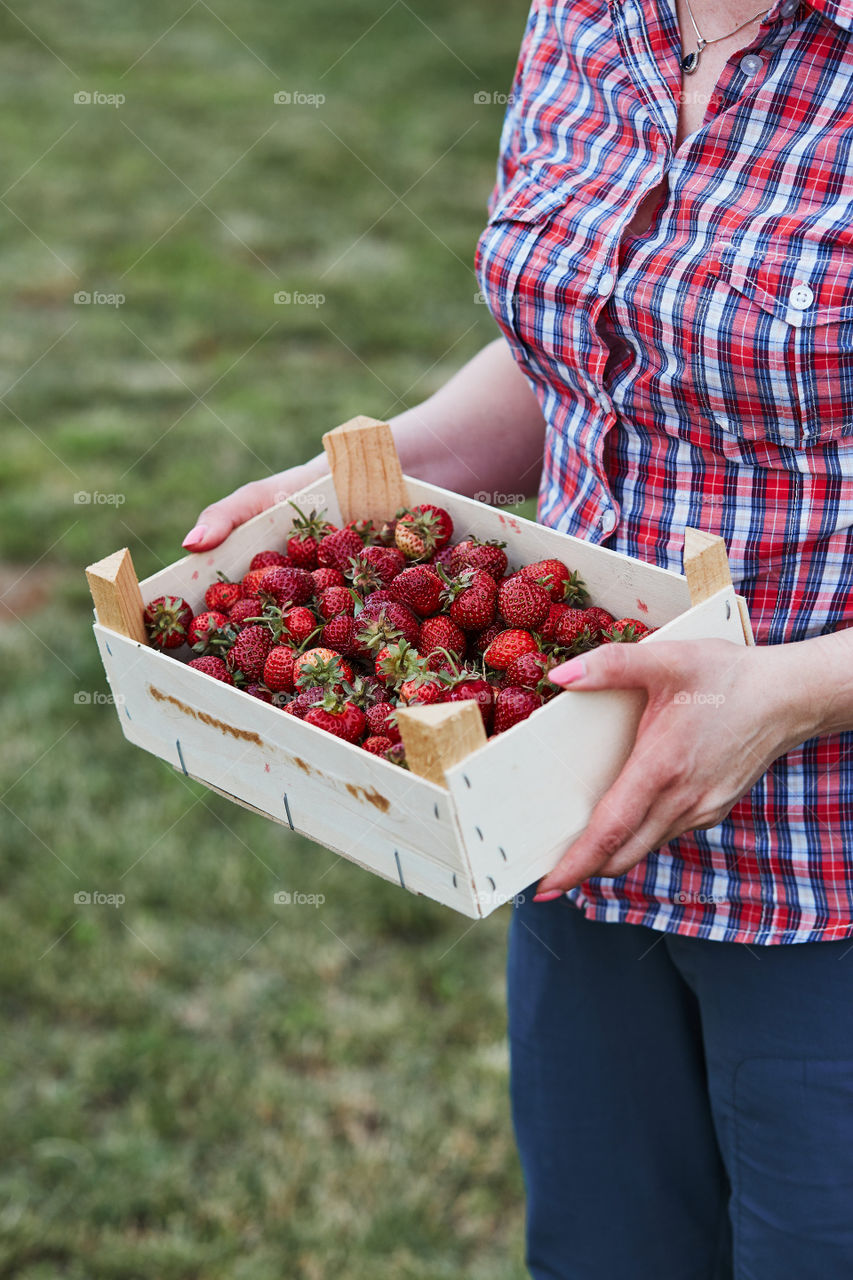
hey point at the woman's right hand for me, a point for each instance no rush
(215, 522)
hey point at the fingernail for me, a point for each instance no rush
(549, 895)
(194, 536)
(568, 672)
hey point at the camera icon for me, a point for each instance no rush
(82, 299)
(682, 698)
(82, 498)
(282, 99)
(282, 898)
(481, 97)
(480, 299)
(82, 898)
(82, 98)
(82, 698)
(281, 299)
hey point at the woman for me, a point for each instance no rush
(669, 255)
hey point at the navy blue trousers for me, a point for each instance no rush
(683, 1109)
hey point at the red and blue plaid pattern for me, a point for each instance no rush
(699, 374)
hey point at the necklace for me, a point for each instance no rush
(690, 61)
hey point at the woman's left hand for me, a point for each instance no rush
(716, 716)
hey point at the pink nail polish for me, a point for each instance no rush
(549, 895)
(194, 536)
(568, 672)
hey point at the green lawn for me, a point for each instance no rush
(197, 1083)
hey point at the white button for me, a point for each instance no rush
(789, 7)
(607, 520)
(606, 283)
(751, 64)
(801, 297)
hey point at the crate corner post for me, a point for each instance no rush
(706, 568)
(116, 595)
(365, 469)
(439, 736)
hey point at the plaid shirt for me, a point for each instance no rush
(698, 374)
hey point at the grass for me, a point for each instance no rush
(197, 1083)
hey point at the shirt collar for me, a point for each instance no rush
(838, 11)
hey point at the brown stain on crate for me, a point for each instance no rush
(301, 764)
(244, 735)
(372, 796)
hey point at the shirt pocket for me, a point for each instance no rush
(773, 354)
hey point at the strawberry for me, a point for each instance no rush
(598, 620)
(278, 669)
(548, 628)
(252, 580)
(398, 661)
(439, 519)
(528, 669)
(508, 645)
(421, 690)
(422, 530)
(377, 745)
(335, 550)
(212, 666)
(286, 586)
(249, 651)
(380, 596)
(339, 634)
(246, 607)
(343, 719)
(473, 610)
(304, 700)
(304, 541)
(222, 595)
(474, 553)
(472, 686)
(382, 720)
(523, 603)
(299, 623)
(559, 581)
(259, 691)
(626, 631)
(482, 639)
(206, 630)
(327, 577)
(573, 630)
(366, 529)
(320, 666)
(167, 619)
(335, 600)
(268, 560)
(514, 704)
(418, 587)
(375, 567)
(437, 634)
(383, 621)
(443, 557)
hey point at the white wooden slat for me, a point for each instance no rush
(528, 792)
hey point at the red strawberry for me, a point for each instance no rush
(366, 529)
(299, 623)
(523, 603)
(326, 577)
(473, 553)
(320, 666)
(443, 557)
(304, 701)
(268, 560)
(246, 607)
(212, 666)
(335, 600)
(441, 523)
(422, 530)
(249, 651)
(598, 620)
(287, 586)
(548, 629)
(339, 634)
(222, 595)
(167, 619)
(476, 688)
(338, 548)
(204, 627)
(559, 581)
(381, 719)
(278, 669)
(375, 567)
(252, 581)
(305, 538)
(348, 722)
(473, 610)
(377, 745)
(627, 630)
(419, 588)
(422, 690)
(528, 669)
(259, 691)
(514, 704)
(440, 633)
(483, 639)
(382, 621)
(398, 661)
(508, 645)
(573, 630)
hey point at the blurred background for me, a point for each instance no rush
(196, 1082)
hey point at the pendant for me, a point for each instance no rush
(690, 62)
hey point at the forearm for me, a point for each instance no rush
(822, 678)
(481, 432)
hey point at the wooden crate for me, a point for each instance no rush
(474, 821)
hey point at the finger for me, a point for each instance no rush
(610, 666)
(215, 522)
